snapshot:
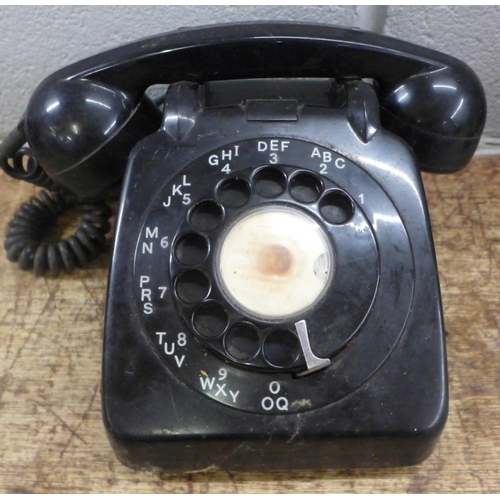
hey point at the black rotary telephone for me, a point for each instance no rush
(273, 297)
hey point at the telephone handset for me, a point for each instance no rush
(273, 299)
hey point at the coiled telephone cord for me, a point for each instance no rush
(36, 219)
(27, 235)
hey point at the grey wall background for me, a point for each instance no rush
(37, 40)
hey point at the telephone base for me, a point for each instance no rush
(195, 375)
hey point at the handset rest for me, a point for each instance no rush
(73, 121)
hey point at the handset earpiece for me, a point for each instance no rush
(82, 131)
(439, 114)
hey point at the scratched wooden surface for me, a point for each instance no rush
(51, 435)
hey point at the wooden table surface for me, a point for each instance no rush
(51, 435)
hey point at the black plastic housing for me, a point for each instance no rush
(279, 97)
(388, 391)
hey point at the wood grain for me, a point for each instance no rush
(51, 434)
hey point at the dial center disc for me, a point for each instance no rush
(275, 262)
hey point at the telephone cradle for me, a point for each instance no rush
(273, 297)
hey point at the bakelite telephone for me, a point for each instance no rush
(273, 298)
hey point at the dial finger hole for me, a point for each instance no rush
(336, 207)
(306, 188)
(234, 192)
(269, 182)
(192, 286)
(281, 348)
(191, 249)
(206, 215)
(210, 319)
(242, 341)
